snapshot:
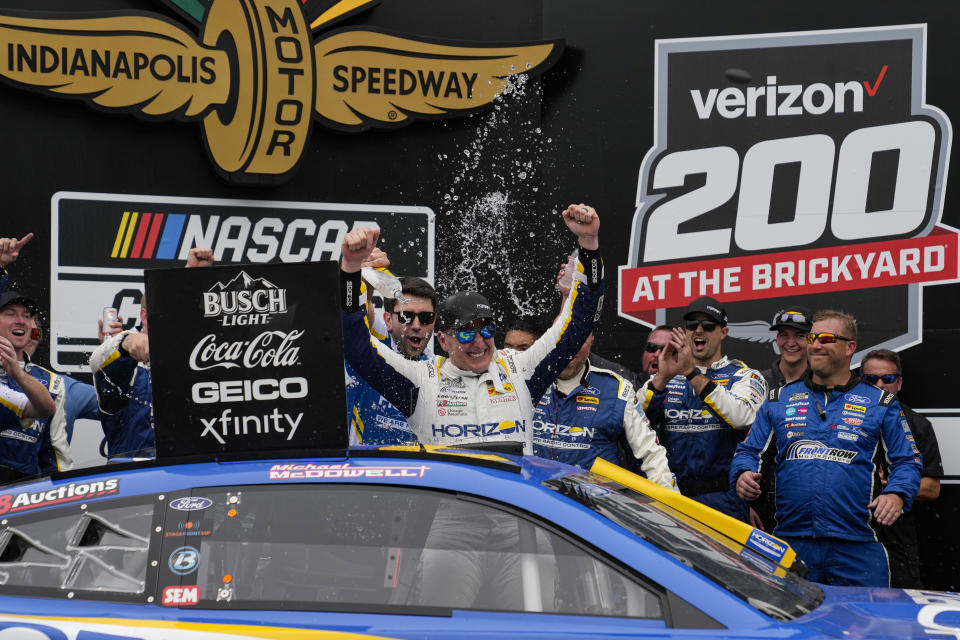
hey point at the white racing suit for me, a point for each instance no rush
(446, 405)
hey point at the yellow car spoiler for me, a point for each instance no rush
(768, 546)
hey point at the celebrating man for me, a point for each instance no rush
(477, 394)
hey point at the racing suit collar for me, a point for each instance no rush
(566, 387)
(718, 364)
(808, 380)
(493, 371)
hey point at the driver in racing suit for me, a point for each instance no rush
(588, 412)
(702, 403)
(478, 394)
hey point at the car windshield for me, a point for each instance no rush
(780, 594)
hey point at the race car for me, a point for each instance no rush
(410, 542)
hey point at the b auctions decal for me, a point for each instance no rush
(73, 492)
(802, 162)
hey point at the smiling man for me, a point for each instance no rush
(825, 429)
(701, 403)
(792, 325)
(28, 446)
(478, 394)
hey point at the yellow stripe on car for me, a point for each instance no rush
(738, 531)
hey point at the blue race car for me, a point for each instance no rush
(410, 542)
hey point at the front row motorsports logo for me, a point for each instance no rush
(255, 75)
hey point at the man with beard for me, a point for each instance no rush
(701, 403)
(409, 322)
(586, 414)
(478, 394)
(826, 428)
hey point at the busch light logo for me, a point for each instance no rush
(814, 450)
(244, 301)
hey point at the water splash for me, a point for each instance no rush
(497, 229)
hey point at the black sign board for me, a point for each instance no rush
(246, 359)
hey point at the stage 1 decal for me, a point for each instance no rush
(256, 77)
(125, 234)
(790, 165)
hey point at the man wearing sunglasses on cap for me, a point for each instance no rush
(408, 326)
(792, 325)
(477, 394)
(38, 446)
(825, 429)
(701, 403)
(884, 369)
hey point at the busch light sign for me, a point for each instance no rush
(249, 349)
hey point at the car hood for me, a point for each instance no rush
(849, 612)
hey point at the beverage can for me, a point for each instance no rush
(109, 315)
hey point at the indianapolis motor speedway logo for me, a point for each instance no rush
(255, 78)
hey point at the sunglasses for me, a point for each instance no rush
(652, 347)
(790, 316)
(406, 317)
(467, 335)
(825, 338)
(888, 378)
(707, 325)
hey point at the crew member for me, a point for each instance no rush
(37, 446)
(587, 412)
(409, 326)
(121, 376)
(701, 403)
(826, 428)
(884, 369)
(792, 326)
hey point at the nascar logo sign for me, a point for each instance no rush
(802, 162)
(125, 234)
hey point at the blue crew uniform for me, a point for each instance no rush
(125, 395)
(825, 442)
(701, 432)
(35, 446)
(586, 417)
(81, 403)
